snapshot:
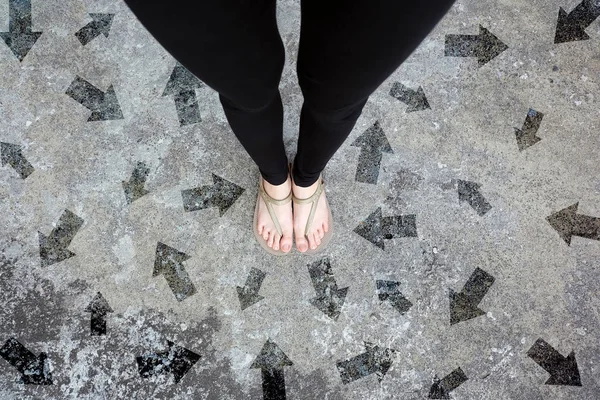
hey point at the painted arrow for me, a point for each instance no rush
(329, 299)
(168, 262)
(20, 38)
(104, 105)
(526, 136)
(182, 85)
(377, 228)
(469, 192)
(34, 370)
(568, 223)
(221, 194)
(463, 305)
(271, 361)
(415, 100)
(562, 370)
(571, 27)
(176, 360)
(441, 388)
(372, 144)
(388, 291)
(11, 154)
(375, 360)
(134, 189)
(484, 46)
(99, 308)
(248, 295)
(53, 248)
(100, 25)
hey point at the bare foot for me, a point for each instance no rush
(301, 212)
(266, 226)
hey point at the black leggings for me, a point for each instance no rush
(347, 49)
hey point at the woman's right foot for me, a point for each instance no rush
(266, 226)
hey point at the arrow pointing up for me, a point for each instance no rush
(271, 361)
(372, 143)
(134, 189)
(571, 27)
(99, 308)
(463, 305)
(469, 192)
(176, 360)
(568, 223)
(53, 248)
(104, 105)
(526, 137)
(415, 100)
(100, 25)
(441, 389)
(376, 228)
(20, 38)
(11, 154)
(388, 291)
(248, 295)
(182, 85)
(221, 194)
(34, 370)
(168, 262)
(374, 360)
(484, 46)
(329, 298)
(562, 370)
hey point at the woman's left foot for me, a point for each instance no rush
(301, 212)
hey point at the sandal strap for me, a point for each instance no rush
(314, 198)
(269, 201)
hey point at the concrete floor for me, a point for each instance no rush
(468, 269)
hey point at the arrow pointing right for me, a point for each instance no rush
(34, 370)
(568, 223)
(20, 38)
(100, 25)
(104, 105)
(463, 305)
(177, 360)
(484, 46)
(415, 100)
(11, 154)
(221, 193)
(562, 370)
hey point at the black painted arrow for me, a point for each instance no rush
(562, 370)
(20, 38)
(271, 361)
(568, 223)
(484, 46)
(248, 295)
(571, 27)
(526, 136)
(389, 291)
(53, 248)
(415, 100)
(176, 360)
(377, 228)
(100, 25)
(375, 360)
(34, 370)
(99, 308)
(11, 154)
(168, 262)
(441, 388)
(329, 299)
(134, 189)
(182, 85)
(221, 194)
(469, 192)
(372, 144)
(463, 305)
(104, 105)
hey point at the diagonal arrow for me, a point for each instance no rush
(463, 305)
(176, 360)
(484, 46)
(372, 144)
(34, 370)
(568, 223)
(571, 27)
(374, 360)
(99, 308)
(168, 262)
(388, 291)
(11, 154)
(53, 248)
(415, 100)
(329, 299)
(182, 85)
(134, 189)
(20, 38)
(441, 388)
(104, 105)
(526, 136)
(271, 361)
(100, 25)
(221, 194)
(469, 192)
(376, 228)
(562, 370)
(248, 295)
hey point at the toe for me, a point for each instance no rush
(276, 241)
(320, 233)
(311, 241)
(265, 235)
(260, 229)
(325, 226)
(271, 239)
(317, 239)
(286, 242)
(301, 243)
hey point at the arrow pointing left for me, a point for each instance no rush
(100, 25)
(53, 248)
(20, 38)
(99, 308)
(11, 154)
(34, 370)
(374, 360)
(104, 105)
(568, 223)
(169, 262)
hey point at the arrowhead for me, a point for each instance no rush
(371, 229)
(98, 305)
(374, 139)
(568, 28)
(524, 141)
(20, 43)
(247, 297)
(461, 308)
(103, 22)
(567, 373)
(167, 258)
(489, 46)
(181, 80)
(381, 357)
(418, 102)
(271, 357)
(108, 109)
(52, 252)
(181, 360)
(228, 193)
(331, 304)
(564, 221)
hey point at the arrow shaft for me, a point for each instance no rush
(187, 107)
(402, 93)
(399, 225)
(19, 16)
(532, 122)
(273, 384)
(586, 226)
(454, 380)
(462, 45)
(67, 227)
(86, 94)
(98, 324)
(357, 367)
(586, 12)
(369, 161)
(477, 286)
(17, 355)
(545, 356)
(254, 280)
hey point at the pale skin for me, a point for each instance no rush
(292, 223)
